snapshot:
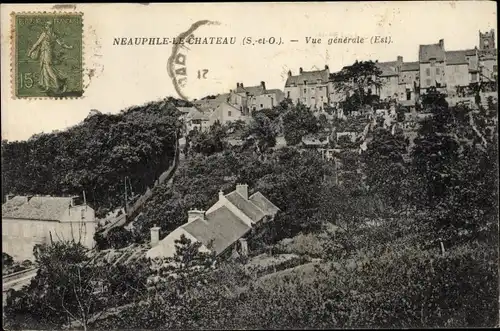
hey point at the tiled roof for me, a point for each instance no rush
(456, 57)
(208, 105)
(186, 110)
(195, 114)
(410, 66)
(311, 77)
(388, 68)
(427, 52)
(36, 208)
(274, 91)
(265, 205)
(220, 229)
(251, 90)
(246, 206)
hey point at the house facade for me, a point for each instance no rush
(220, 228)
(196, 119)
(31, 220)
(252, 98)
(311, 88)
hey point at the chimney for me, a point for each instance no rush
(289, 73)
(326, 67)
(241, 85)
(300, 70)
(221, 195)
(194, 214)
(237, 85)
(155, 235)
(243, 247)
(400, 58)
(242, 189)
(441, 43)
(8, 197)
(263, 84)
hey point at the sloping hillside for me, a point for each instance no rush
(95, 156)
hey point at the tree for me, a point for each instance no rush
(297, 123)
(356, 83)
(67, 287)
(384, 166)
(261, 132)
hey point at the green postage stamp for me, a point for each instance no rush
(47, 55)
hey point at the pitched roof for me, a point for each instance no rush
(210, 104)
(388, 68)
(36, 208)
(410, 66)
(220, 229)
(246, 206)
(195, 114)
(311, 77)
(186, 110)
(456, 57)
(274, 91)
(432, 51)
(251, 90)
(263, 203)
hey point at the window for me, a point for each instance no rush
(428, 72)
(321, 98)
(288, 94)
(495, 68)
(428, 82)
(408, 95)
(261, 106)
(305, 90)
(305, 82)
(320, 88)
(228, 113)
(438, 72)
(474, 76)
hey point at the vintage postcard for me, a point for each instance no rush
(238, 166)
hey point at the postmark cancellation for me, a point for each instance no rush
(47, 54)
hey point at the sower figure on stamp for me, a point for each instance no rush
(43, 50)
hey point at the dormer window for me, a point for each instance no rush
(305, 82)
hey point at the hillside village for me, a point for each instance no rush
(358, 198)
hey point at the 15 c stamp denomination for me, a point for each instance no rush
(47, 55)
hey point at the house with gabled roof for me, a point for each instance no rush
(31, 220)
(432, 59)
(253, 98)
(196, 119)
(222, 227)
(310, 88)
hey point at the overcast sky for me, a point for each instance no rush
(132, 75)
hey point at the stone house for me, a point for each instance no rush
(196, 119)
(226, 112)
(220, 229)
(31, 220)
(432, 60)
(252, 98)
(310, 88)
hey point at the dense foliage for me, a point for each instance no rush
(407, 236)
(95, 156)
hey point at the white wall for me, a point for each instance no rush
(19, 236)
